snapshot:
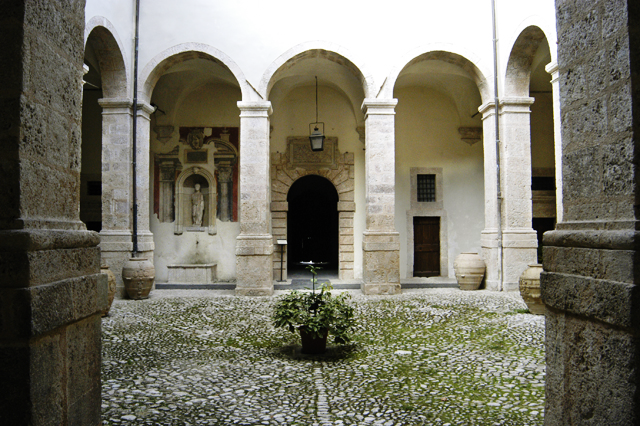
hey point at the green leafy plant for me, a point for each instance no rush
(317, 313)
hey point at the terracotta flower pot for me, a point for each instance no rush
(138, 275)
(530, 288)
(313, 344)
(469, 268)
(111, 291)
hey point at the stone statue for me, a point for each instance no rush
(197, 206)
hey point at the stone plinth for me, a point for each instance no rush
(192, 273)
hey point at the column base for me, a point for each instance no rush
(519, 250)
(254, 265)
(381, 272)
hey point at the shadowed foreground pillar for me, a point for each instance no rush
(591, 259)
(51, 291)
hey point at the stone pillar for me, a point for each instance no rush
(254, 247)
(143, 178)
(519, 240)
(381, 241)
(115, 236)
(490, 239)
(591, 260)
(51, 289)
(552, 68)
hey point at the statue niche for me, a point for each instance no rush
(196, 200)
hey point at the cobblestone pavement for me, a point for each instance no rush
(426, 357)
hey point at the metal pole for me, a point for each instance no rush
(497, 130)
(134, 197)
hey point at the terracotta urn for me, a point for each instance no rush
(111, 290)
(138, 275)
(530, 288)
(469, 268)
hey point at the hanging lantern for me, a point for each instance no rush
(316, 137)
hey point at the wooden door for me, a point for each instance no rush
(426, 246)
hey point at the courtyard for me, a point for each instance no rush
(426, 357)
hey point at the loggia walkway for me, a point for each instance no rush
(426, 357)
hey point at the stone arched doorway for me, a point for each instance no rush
(312, 223)
(337, 170)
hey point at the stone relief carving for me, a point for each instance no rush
(164, 133)
(470, 135)
(195, 138)
(300, 154)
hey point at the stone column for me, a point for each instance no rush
(115, 236)
(591, 261)
(381, 241)
(490, 239)
(51, 289)
(142, 180)
(519, 240)
(254, 247)
(552, 68)
(225, 176)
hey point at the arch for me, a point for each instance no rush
(182, 193)
(316, 49)
(285, 173)
(157, 66)
(518, 72)
(445, 53)
(102, 36)
(313, 199)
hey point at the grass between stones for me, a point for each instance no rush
(437, 357)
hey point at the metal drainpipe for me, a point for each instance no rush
(497, 121)
(135, 134)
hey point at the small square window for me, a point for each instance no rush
(426, 188)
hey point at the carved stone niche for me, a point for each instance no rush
(185, 188)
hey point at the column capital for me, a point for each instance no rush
(553, 69)
(145, 110)
(379, 106)
(255, 109)
(115, 105)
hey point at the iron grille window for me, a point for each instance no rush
(426, 188)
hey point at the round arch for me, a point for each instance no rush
(103, 38)
(325, 50)
(518, 71)
(157, 66)
(457, 57)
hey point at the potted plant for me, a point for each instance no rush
(315, 315)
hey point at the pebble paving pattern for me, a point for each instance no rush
(426, 357)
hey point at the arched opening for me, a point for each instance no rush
(526, 76)
(194, 140)
(291, 89)
(312, 224)
(439, 162)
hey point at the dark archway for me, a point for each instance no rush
(312, 223)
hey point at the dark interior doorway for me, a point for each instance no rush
(426, 246)
(312, 223)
